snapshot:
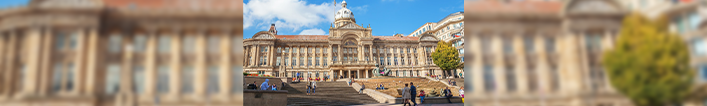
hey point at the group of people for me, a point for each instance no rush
(263, 86)
(380, 87)
(311, 87)
(409, 94)
(452, 82)
(299, 78)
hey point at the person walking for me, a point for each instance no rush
(413, 93)
(448, 94)
(406, 95)
(314, 88)
(422, 96)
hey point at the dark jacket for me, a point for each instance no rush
(413, 91)
(252, 86)
(447, 93)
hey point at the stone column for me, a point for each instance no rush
(175, 66)
(385, 55)
(3, 51)
(150, 67)
(271, 57)
(499, 67)
(296, 64)
(329, 56)
(200, 82)
(349, 75)
(92, 60)
(339, 57)
(370, 54)
(521, 66)
(477, 68)
(225, 65)
(341, 73)
(367, 74)
(542, 64)
(569, 56)
(306, 56)
(46, 63)
(9, 63)
(126, 93)
(358, 73)
(80, 66)
(29, 79)
(257, 55)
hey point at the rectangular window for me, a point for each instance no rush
(301, 61)
(699, 47)
(317, 50)
(510, 78)
(73, 40)
(115, 43)
(381, 60)
(346, 58)
(335, 50)
(213, 44)
(163, 44)
(287, 49)
(279, 50)
(278, 61)
(60, 40)
(317, 61)
(188, 44)
(532, 79)
(301, 50)
(309, 62)
(507, 46)
(294, 61)
(138, 79)
(213, 83)
(162, 79)
(70, 77)
(113, 78)
(334, 58)
(550, 44)
(529, 44)
(593, 42)
(388, 60)
(325, 61)
(489, 80)
(57, 77)
(187, 79)
(140, 43)
(324, 49)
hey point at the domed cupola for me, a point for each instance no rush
(344, 13)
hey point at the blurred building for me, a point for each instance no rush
(120, 52)
(687, 19)
(449, 29)
(541, 53)
(349, 51)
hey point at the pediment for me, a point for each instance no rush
(263, 35)
(427, 37)
(593, 7)
(350, 26)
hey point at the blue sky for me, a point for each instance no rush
(386, 17)
(12, 3)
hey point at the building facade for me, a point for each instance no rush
(121, 52)
(540, 53)
(349, 51)
(449, 29)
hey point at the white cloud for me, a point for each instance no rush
(286, 14)
(315, 31)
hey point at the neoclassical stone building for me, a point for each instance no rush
(540, 53)
(349, 51)
(121, 52)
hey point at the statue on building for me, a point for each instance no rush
(381, 72)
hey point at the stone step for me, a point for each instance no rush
(328, 93)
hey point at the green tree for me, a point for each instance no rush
(445, 57)
(649, 64)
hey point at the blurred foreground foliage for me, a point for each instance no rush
(649, 64)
